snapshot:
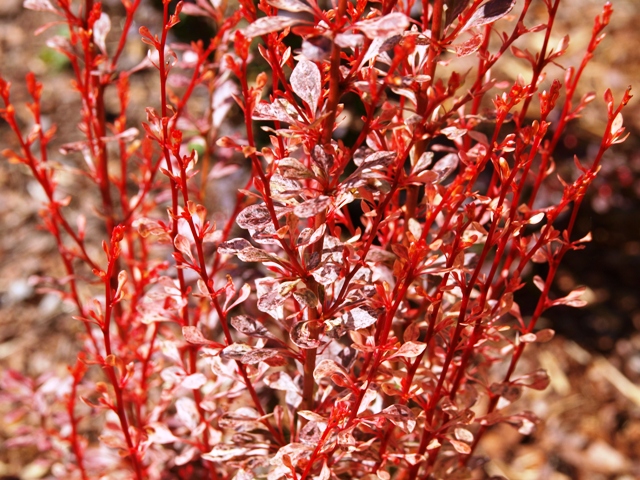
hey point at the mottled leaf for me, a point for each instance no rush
(469, 46)
(401, 416)
(292, 168)
(266, 25)
(489, 12)
(187, 413)
(312, 207)
(258, 355)
(360, 317)
(306, 297)
(235, 351)
(327, 368)
(269, 298)
(253, 217)
(306, 82)
(383, 27)
(253, 254)
(327, 273)
(194, 336)
(446, 165)
(306, 335)
(250, 326)
(223, 453)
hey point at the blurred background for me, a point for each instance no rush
(591, 409)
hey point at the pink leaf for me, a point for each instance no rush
(360, 317)
(409, 350)
(306, 83)
(194, 336)
(327, 368)
(489, 12)
(194, 381)
(234, 246)
(301, 334)
(312, 207)
(401, 416)
(101, 28)
(383, 27)
(39, 5)
(250, 326)
(253, 217)
(460, 447)
(290, 5)
(265, 25)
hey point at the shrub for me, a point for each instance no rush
(379, 199)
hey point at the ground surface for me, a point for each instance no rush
(591, 409)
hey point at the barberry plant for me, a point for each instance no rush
(344, 307)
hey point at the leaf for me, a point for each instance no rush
(269, 298)
(327, 368)
(258, 355)
(312, 207)
(306, 297)
(409, 350)
(360, 317)
(307, 83)
(378, 160)
(463, 435)
(183, 246)
(383, 27)
(401, 416)
(223, 453)
(101, 28)
(250, 327)
(187, 413)
(327, 273)
(290, 5)
(545, 335)
(301, 334)
(160, 434)
(194, 336)
(233, 246)
(279, 110)
(460, 447)
(573, 299)
(194, 381)
(266, 25)
(253, 217)
(470, 46)
(445, 166)
(39, 5)
(282, 381)
(454, 8)
(235, 351)
(253, 254)
(507, 391)
(293, 168)
(317, 48)
(489, 12)
(538, 380)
